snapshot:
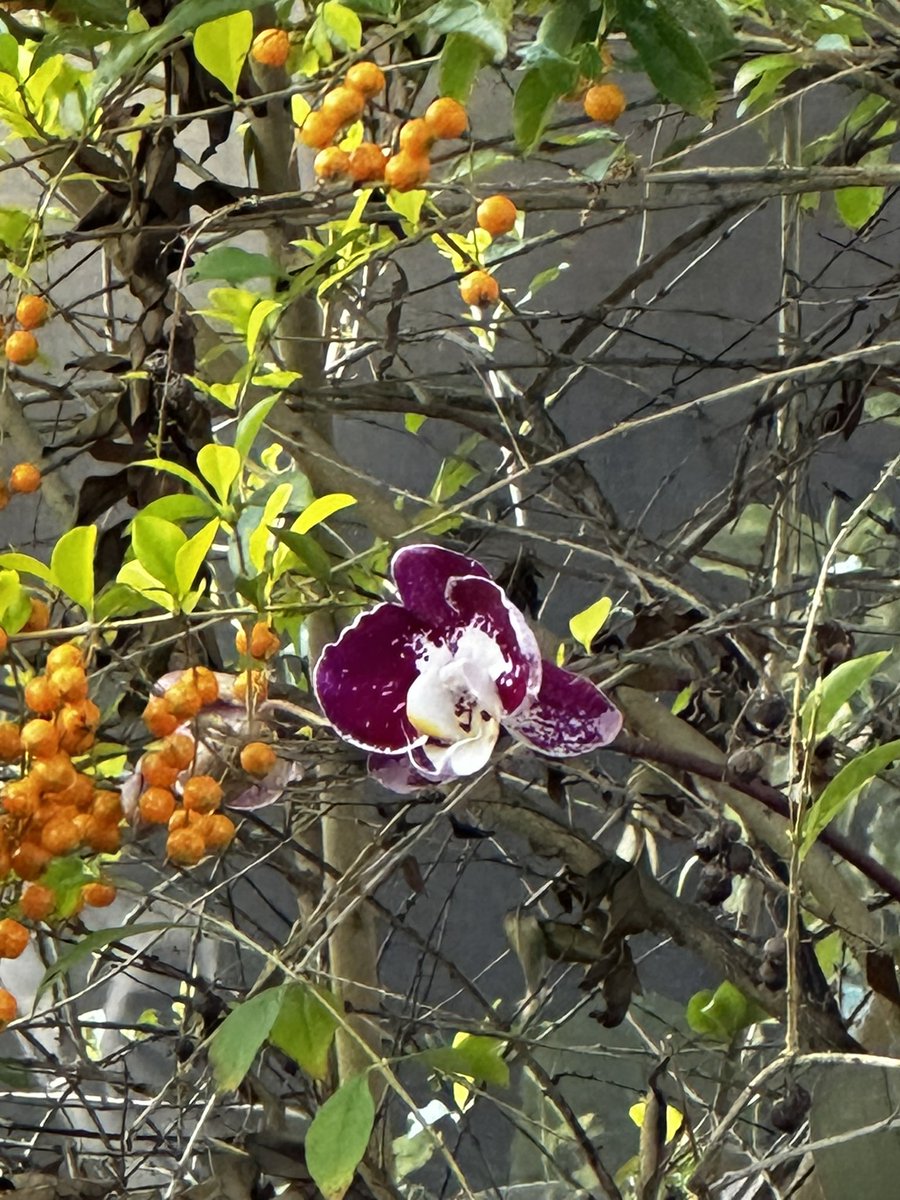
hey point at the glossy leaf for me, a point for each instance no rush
(844, 788)
(473, 1056)
(170, 468)
(831, 693)
(26, 565)
(461, 59)
(156, 544)
(481, 22)
(250, 424)
(532, 107)
(259, 321)
(722, 1014)
(338, 1136)
(258, 541)
(15, 605)
(234, 265)
(221, 46)
(305, 1027)
(72, 564)
(669, 56)
(192, 555)
(320, 510)
(342, 25)
(238, 1040)
(220, 466)
(585, 625)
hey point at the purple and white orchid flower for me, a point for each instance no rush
(427, 684)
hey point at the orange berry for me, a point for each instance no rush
(204, 680)
(366, 78)
(78, 794)
(66, 654)
(14, 938)
(5, 861)
(20, 797)
(258, 758)
(343, 104)
(497, 215)
(159, 718)
(54, 773)
(42, 695)
(76, 724)
(107, 806)
(32, 312)
(37, 902)
(24, 477)
(39, 619)
(254, 680)
(4, 496)
(60, 836)
(21, 347)
(416, 137)
(183, 699)
(271, 47)
(264, 642)
(331, 163)
(40, 737)
(446, 118)
(318, 130)
(178, 750)
(71, 682)
(178, 820)
(29, 860)
(4, 639)
(367, 163)
(479, 288)
(98, 895)
(218, 831)
(202, 794)
(87, 825)
(10, 741)
(9, 1009)
(104, 838)
(605, 102)
(405, 171)
(156, 771)
(156, 806)
(185, 847)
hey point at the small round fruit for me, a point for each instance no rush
(98, 895)
(37, 902)
(405, 171)
(202, 794)
(343, 104)
(10, 741)
(76, 725)
(271, 47)
(604, 102)
(42, 695)
(367, 163)
(40, 737)
(366, 78)
(318, 130)
(54, 773)
(183, 699)
(446, 118)
(72, 684)
(104, 838)
(159, 718)
(156, 771)
(264, 641)
(29, 860)
(178, 750)
(20, 796)
(60, 836)
(479, 288)
(258, 758)
(107, 807)
(9, 1009)
(32, 312)
(185, 847)
(156, 806)
(331, 163)
(204, 680)
(13, 938)
(24, 478)
(497, 215)
(218, 831)
(21, 347)
(66, 654)
(416, 137)
(39, 618)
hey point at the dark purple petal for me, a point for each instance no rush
(570, 716)
(361, 680)
(396, 773)
(422, 573)
(483, 604)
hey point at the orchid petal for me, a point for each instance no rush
(422, 573)
(570, 716)
(363, 678)
(397, 774)
(463, 757)
(481, 604)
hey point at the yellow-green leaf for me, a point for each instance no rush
(221, 46)
(338, 1136)
(320, 510)
(72, 564)
(220, 466)
(585, 625)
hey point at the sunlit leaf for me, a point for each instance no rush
(585, 625)
(844, 788)
(338, 1136)
(221, 46)
(832, 692)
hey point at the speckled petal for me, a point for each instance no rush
(396, 773)
(362, 679)
(482, 604)
(422, 573)
(570, 716)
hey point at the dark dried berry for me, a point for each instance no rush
(714, 886)
(776, 948)
(772, 975)
(739, 858)
(709, 846)
(745, 763)
(768, 712)
(731, 831)
(789, 1112)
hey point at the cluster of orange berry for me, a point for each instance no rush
(23, 479)
(340, 107)
(21, 346)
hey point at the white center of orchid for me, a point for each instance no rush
(454, 701)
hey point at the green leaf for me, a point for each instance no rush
(192, 555)
(250, 424)
(475, 1056)
(481, 22)
(156, 544)
(585, 625)
(342, 25)
(89, 944)
(221, 46)
(722, 1014)
(220, 466)
(532, 107)
(26, 564)
(305, 1027)
(308, 555)
(188, 477)
(137, 578)
(320, 510)
(120, 600)
(235, 1044)
(844, 788)
(669, 56)
(461, 59)
(72, 565)
(707, 22)
(179, 507)
(857, 205)
(831, 693)
(338, 1136)
(15, 606)
(234, 265)
(258, 541)
(67, 875)
(259, 320)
